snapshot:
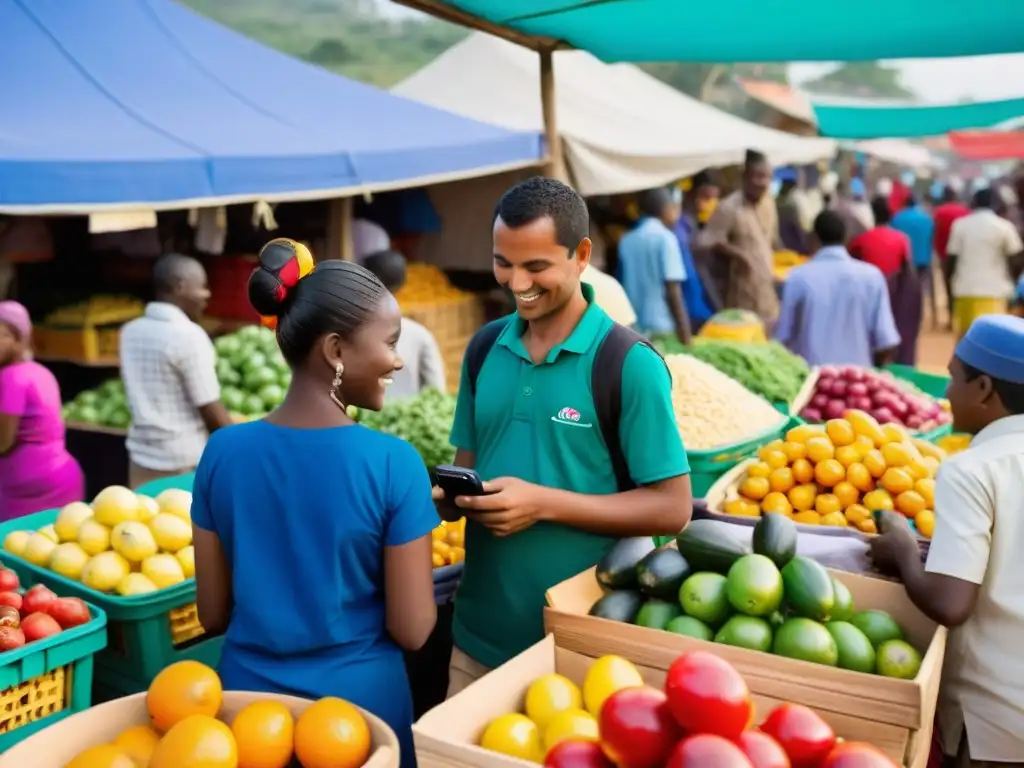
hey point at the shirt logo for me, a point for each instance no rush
(571, 417)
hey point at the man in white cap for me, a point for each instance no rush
(973, 579)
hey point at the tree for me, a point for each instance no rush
(868, 79)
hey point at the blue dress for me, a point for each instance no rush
(303, 516)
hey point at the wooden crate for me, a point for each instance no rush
(449, 320)
(90, 345)
(894, 715)
(453, 352)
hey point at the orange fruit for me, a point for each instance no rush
(925, 523)
(138, 742)
(875, 463)
(810, 517)
(847, 455)
(759, 469)
(794, 450)
(802, 497)
(896, 454)
(910, 503)
(857, 513)
(860, 478)
(775, 458)
(755, 488)
(837, 519)
(803, 432)
(820, 449)
(846, 493)
(197, 741)
(803, 471)
(862, 445)
(840, 432)
(878, 499)
(264, 732)
(103, 756)
(781, 479)
(894, 433)
(180, 690)
(896, 480)
(829, 472)
(867, 526)
(331, 733)
(826, 504)
(777, 502)
(926, 487)
(742, 507)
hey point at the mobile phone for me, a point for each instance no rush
(458, 481)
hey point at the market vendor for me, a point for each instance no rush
(423, 365)
(168, 365)
(36, 470)
(529, 425)
(973, 579)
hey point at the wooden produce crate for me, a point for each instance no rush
(894, 715)
(453, 352)
(57, 745)
(90, 345)
(452, 319)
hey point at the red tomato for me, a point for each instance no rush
(36, 599)
(637, 729)
(12, 599)
(854, 754)
(707, 751)
(9, 580)
(806, 738)
(69, 612)
(577, 754)
(36, 626)
(11, 638)
(762, 750)
(707, 695)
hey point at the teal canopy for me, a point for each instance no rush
(757, 30)
(862, 122)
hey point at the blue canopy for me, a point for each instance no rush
(842, 121)
(113, 103)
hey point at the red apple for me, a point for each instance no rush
(69, 612)
(36, 626)
(36, 599)
(707, 751)
(9, 580)
(762, 750)
(12, 599)
(637, 728)
(577, 753)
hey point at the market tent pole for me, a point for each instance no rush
(555, 167)
(339, 243)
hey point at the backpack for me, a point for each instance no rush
(605, 383)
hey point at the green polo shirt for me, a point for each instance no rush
(538, 422)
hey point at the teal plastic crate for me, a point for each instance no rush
(929, 383)
(48, 680)
(707, 466)
(178, 482)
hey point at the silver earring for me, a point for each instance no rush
(339, 369)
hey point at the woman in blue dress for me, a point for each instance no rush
(312, 533)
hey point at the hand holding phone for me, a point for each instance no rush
(457, 481)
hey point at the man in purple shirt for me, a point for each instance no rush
(835, 309)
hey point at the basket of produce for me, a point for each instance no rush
(47, 644)
(105, 406)
(566, 709)
(448, 552)
(87, 331)
(186, 719)
(252, 372)
(132, 556)
(888, 399)
(429, 298)
(424, 421)
(734, 325)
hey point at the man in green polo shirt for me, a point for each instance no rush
(530, 431)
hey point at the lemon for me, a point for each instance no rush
(38, 549)
(15, 541)
(175, 501)
(94, 537)
(114, 505)
(68, 560)
(187, 558)
(135, 584)
(163, 570)
(133, 541)
(171, 532)
(49, 532)
(549, 695)
(148, 508)
(105, 571)
(70, 519)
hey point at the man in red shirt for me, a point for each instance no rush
(948, 211)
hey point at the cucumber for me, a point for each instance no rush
(622, 605)
(808, 588)
(775, 538)
(662, 573)
(617, 569)
(707, 548)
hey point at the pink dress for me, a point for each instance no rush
(37, 473)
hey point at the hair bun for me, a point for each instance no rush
(283, 262)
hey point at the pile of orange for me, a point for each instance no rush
(839, 473)
(184, 702)
(448, 543)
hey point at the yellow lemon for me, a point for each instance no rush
(50, 532)
(803, 471)
(808, 517)
(187, 558)
(148, 508)
(163, 570)
(94, 537)
(925, 523)
(572, 724)
(16, 541)
(857, 513)
(802, 497)
(514, 735)
(115, 504)
(820, 449)
(777, 502)
(878, 499)
(38, 549)
(755, 488)
(105, 571)
(847, 493)
(171, 532)
(781, 480)
(68, 560)
(759, 469)
(175, 501)
(606, 676)
(926, 488)
(133, 541)
(135, 584)
(70, 519)
(549, 695)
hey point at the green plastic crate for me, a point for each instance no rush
(48, 680)
(929, 383)
(707, 466)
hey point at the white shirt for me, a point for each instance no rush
(982, 242)
(979, 537)
(169, 369)
(422, 363)
(610, 296)
(368, 238)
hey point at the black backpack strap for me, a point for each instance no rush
(480, 345)
(606, 388)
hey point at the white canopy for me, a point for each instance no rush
(623, 130)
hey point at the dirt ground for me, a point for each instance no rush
(934, 346)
